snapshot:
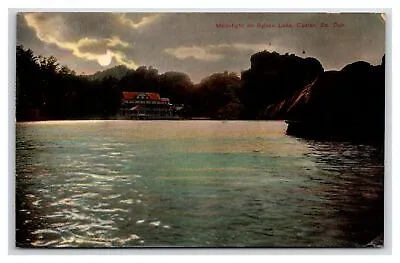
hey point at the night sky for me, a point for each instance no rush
(192, 42)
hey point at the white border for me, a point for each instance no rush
(260, 6)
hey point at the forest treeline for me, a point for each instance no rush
(47, 90)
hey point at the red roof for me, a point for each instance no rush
(153, 95)
(131, 95)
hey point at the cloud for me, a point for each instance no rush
(124, 19)
(216, 52)
(52, 31)
(200, 53)
(116, 41)
(100, 45)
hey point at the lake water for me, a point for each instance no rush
(192, 183)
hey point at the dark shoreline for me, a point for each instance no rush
(337, 131)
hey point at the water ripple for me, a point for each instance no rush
(192, 184)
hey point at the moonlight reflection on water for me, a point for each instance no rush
(192, 183)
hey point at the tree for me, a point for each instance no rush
(213, 92)
(28, 92)
(176, 86)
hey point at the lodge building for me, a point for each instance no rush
(148, 105)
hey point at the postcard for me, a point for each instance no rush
(198, 129)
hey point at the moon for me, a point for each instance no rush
(105, 60)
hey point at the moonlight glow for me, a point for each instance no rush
(105, 60)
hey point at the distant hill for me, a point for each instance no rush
(117, 72)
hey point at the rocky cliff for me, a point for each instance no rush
(272, 78)
(349, 102)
